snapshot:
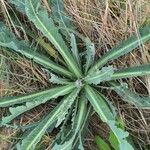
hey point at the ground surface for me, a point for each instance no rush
(106, 23)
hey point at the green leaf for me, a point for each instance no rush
(120, 137)
(67, 145)
(16, 111)
(42, 96)
(99, 104)
(57, 80)
(60, 16)
(57, 115)
(78, 143)
(19, 4)
(40, 18)
(90, 54)
(132, 72)
(123, 48)
(74, 49)
(7, 39)
(77, 126)
(66, 127)
(131, 97)
(105, 74)
(67, 105)
(102, 145)
(113, 141)
(112, 138)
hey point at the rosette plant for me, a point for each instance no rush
(74, 80)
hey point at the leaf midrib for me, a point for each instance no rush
(108, 57)
(39, 133)
(63, 53)
(39, 94)
(66, 72)
(51, 119)
(94, 101)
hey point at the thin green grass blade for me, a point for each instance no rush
(42, 96)
(101, 144)
(141, 70)
(40, 18)
(56, 116)
(123, 48)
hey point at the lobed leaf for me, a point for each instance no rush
(132, 72)
(66, 128)
(20, 5)
(131, 97)
(57, 115)
(8, 40)
(78, 125)
(16, 111)
(58, 80)
(74, 49)
(123, 48)
(42, 96)
(105, 74)
(40, 18)
(121, 136)
(67, 105)
(99, 104)
(90, 54)
(59, 15)
(78, 143)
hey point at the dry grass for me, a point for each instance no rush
(106, 23)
